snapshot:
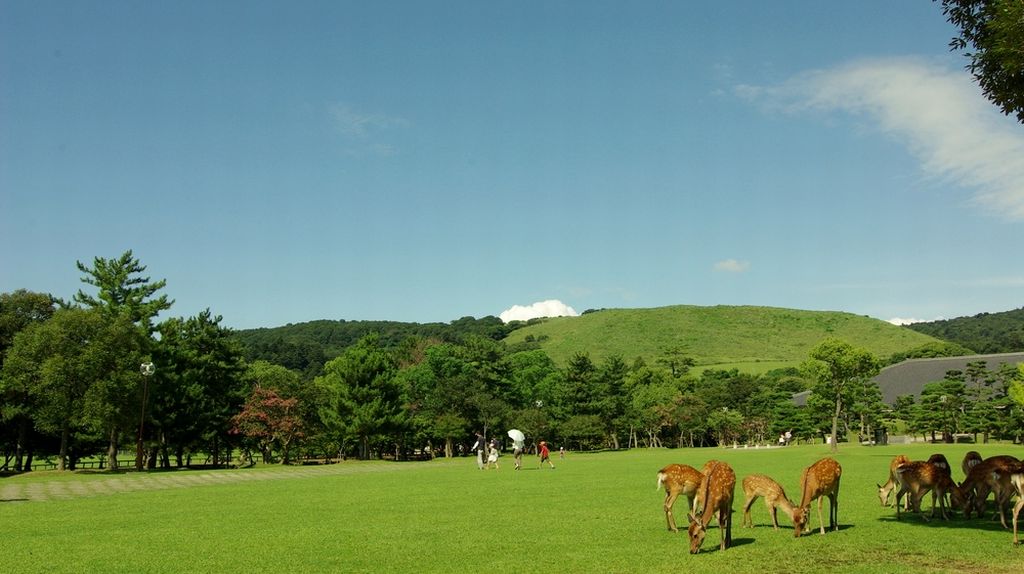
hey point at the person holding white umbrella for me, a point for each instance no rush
(518, 444)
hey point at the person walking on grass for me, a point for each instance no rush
(517, 453)
(492, 458)
(479, 447)
(545, 455)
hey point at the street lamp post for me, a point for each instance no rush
(147, 369)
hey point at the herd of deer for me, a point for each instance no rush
(710, 491)
(1002, 476)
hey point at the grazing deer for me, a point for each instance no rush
(715, 494)
(917, 478)
(678, 479)
(884, 490)
(775, 498)
(970, 459)
(819, 480)
(942, 463)
(991, 475)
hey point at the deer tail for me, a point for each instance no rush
(661, 480)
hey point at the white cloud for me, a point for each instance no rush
(938, 113)
(906, 321)
(549, 308)
(354, 123)
(732, 266)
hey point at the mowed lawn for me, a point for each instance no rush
(594, 513)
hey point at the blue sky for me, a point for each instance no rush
(281, 162)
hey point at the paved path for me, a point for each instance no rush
(131, 482)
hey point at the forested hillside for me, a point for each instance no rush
(305, 347)
(982, 333)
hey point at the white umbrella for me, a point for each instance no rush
(516, 435)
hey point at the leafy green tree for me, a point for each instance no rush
(363, 398)
(941, 406)
(122, 289)
(839, 370)
(18, 310)
(610, 402)
(198, 387)
(726, 425)
(994, 30)
(56, 364)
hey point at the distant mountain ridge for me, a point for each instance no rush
(984, 333)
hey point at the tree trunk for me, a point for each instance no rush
(22, 447)
(112, 450)
(448, 447)
(835, 423)
(65, 434)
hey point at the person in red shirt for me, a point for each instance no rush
(545, 455)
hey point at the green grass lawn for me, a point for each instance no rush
(594, 513)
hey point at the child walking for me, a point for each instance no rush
(545, 455)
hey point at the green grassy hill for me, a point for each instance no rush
(752, 339)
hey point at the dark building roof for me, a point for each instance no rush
(910, 376)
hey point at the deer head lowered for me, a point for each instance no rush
(819, 480)
(775, 498)
(714, 494)
(918, 477)
(884, 490)
(678, 479)
(991, 475)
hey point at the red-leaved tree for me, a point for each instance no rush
(271, 422)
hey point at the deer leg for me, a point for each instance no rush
(899, 500)
(725, 521)
(1016, 512)
(747, 521)
(775, 516)
(833, 509)
(821, 519)
(670, 499)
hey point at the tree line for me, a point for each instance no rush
(71, 388)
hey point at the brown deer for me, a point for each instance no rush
(991, 475)
(819, 480)
(775, 498)
(890, 486)
(678, 479)
(918, 478)
(715, 494)
(970, 459)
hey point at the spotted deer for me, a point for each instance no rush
(714, 494)
(918, 478)
(819, 480)
(678, 479)
(775, 498)
(890, 486)
(991, 475)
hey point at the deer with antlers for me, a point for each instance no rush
(819, 480)
(884, 490)
(678, 479)
(918, 478)
(714, 494)
(775, 498)
(991, 475)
